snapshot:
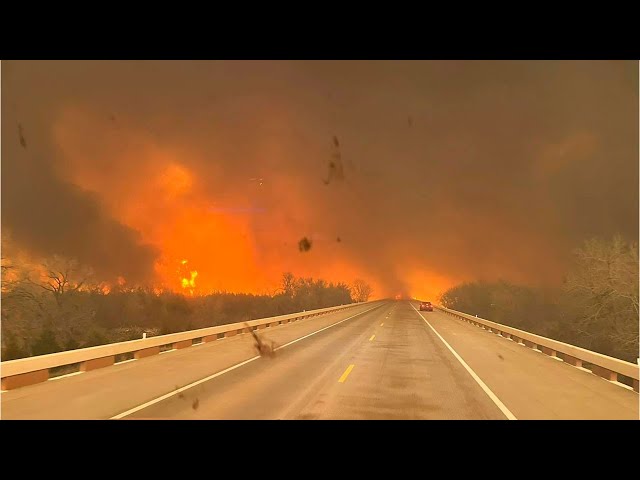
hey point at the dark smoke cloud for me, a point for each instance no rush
(464, 169)
(46, 215)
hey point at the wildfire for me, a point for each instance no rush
(190, 281)
(240, 249)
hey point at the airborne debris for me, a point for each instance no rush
(335, 166)
(304, 245)
(338, 240)
(23, 142)
(264, 349)
(410, 121)
(195, 404)
(500, 357)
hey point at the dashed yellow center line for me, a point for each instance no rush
(346, 373)
(372, 337)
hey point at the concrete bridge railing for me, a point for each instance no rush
(602, 365)
(27, 371)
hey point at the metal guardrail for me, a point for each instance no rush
(601, 365)
(27, 371)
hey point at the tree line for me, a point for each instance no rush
(62, 310)
(596, 307)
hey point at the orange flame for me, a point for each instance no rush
(190, 283)
(240, 249)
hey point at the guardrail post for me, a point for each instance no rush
(146, 352)
(576, 362)
(182, 344)
(548, 351)
(604, 373)
(24, 379)
(95, 363)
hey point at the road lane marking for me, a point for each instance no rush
(226, 370)
(503, 408)
(318, 331)
(346, 373)
(67, 375)
(372, 337)
(179, 390)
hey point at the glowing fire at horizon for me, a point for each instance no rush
(190, 282)
(244, 247)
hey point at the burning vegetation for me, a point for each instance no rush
(57, 307)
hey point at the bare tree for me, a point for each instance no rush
(361, 290)
(61, 276)
(23, 308)
(288, 283)
(605, 278)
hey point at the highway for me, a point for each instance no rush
(374, 361)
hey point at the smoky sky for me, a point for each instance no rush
(46, 215)
(463, 169)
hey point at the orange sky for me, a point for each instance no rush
(163, 199)
(453, 171)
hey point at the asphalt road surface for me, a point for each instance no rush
(376, 361)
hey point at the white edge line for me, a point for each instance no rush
(473, 374)
(64, 376)
(127, 361)
(620, 384)
(222, 372)
(167, 395)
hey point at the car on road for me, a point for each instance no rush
(426, 306)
